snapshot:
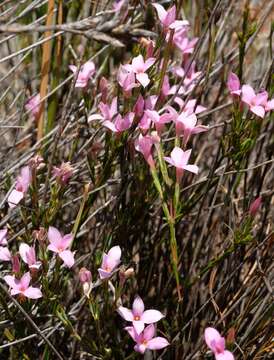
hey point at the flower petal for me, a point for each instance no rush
(23, 250)
(225, 355)
(14, 198)
(33, 293)
(138, 306)
(104, 274)
(54, 236)
(151, 316)
(157, 343)
(258, 110)
(138, 326)
(5, 254)
(143, 79)
(68, 257)
(125, 313)
(211, 335)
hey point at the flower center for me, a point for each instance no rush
(137, 318)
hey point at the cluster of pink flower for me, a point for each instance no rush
(258, 103)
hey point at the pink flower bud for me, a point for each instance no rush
(15, 264)
(255, 206)
(84, 275)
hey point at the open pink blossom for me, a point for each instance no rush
(183, 43)
(32, 105)
(179, 158)
(158, 120)
(59, 244)
(63, 173)
(146, 339)
(189, 107)
(5, 254)
(120, 123)
(139, 67)
(254, 102)
(139, 316)
(3, 237)
(85, 73)
(27, 254)
(126, 79)
(216, 344)
(21, 286)
(189, 74)
(144, 144)
(166, 18)
(107, 111)
(149, 104)
(22, 185)
(186, 125)
(233, 84)
(110, 262)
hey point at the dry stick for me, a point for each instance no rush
(39, 332)
(45, 70)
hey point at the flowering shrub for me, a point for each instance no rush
(143, 168)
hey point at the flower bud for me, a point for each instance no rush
(84, 275)
(15, 264)
(255, 206)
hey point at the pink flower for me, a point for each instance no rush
(85, 73)
(120, 124)
(144, 145)
(179, 158)
(139, 106)
(190, 77)
(3, 236)
(255, 102)
(166, 18)
(63, 173)
(183, 43)
(158, 120)
(216, 343)
(126, 79)
(139, 67)
(5, 254)
(22, 185)
(110, 262)
(139, 316)
(186, 125)
(59, 244)
(107, 111)
(149, 104)
(22, 286)
(255, 206)
(146, 339)
(27, 254)
(269, 105)
(233, 84)
(32, 105)
(85, 278)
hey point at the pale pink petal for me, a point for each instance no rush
(14, 198)
(225, 355)
(258, 110)
(171, 15)
(160, 11)
(248, 94)
(132, 333)
(141, 348)
(233, 82)
(138, 306)
(66, 240)
(261, 98)
(115, 253)
(104, 274)
(54, 236)
(148, 63)
(211, 335)
(23, 250)
(68, 257)
(73, 68)
(110, 125)
(138, 64)
(143, 79)
(180, 157)
(269, 105)
(95, 117)
(25, 280)
(14, 292)
(3, 234)
(53, 248)
(169, 160)
(11, 281)
(33, 293)
(151, 316)
(88, 69)
(125, 313)
(157, 343)
(5, 254)
(153, 115)
(199, 129)
(138, 326)
(149, 332)
(192, 168)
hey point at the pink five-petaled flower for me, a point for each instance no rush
(186, 125)
(59, 244)
(107, 111)
(144, 144)
(254, 102)
(22, 184)
(126, 79)
(216, 343)
(21, 286)
(168, 17)
(85, 73)
(146, 339)
(110, 262)
(32, 105)
(120, 123)
(233, 84)
(179, 158)
(27, 254)
(139, 316)
(139, 67)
